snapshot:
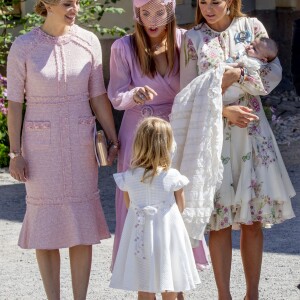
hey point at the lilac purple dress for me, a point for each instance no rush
(125, 76)
(59, 76)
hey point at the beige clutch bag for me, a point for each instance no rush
(101, 148)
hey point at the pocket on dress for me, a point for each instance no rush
(86, 127)
(37, 134)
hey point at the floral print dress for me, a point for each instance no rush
(256, 185)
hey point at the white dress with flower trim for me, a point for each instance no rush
(155, 254)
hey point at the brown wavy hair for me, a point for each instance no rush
(142, 48)
(235, 11)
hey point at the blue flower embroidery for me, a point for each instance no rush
(243, 37)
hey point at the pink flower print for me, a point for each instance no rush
(225, 220)
(222, 224)
(218, 205)
(192, 54)
(254, 128)
(206, 39)
(225, 209)
(250, 78)
(212, 54)
(253, 183)
(204, 64)
(254, 104)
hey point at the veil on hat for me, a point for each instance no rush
(154, 12)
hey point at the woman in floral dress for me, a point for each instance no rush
(256, 189)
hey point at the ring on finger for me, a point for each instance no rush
(141, 96)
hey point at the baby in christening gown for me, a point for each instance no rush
(251, 58)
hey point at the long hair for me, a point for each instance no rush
(235, 12)
(152, 147)
(142, 48)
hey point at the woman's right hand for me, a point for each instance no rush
(143, 94)
(17, 168)
(230, 76)
(239, 115)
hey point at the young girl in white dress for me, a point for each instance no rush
(155, 254)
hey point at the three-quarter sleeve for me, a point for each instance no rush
(96, 81)
(269, 76)
(16, 71)
(188, 62)
(120, 91)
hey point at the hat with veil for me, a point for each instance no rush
(154, 12)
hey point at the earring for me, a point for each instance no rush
(228, 11)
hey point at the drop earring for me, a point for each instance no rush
(228, 11)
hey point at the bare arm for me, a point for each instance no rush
(126, 199)
(180, 200)
(230, 76)
(17, 166)
(236, 114)
(103, 112)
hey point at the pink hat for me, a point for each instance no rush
(152, 6)
(139, 3)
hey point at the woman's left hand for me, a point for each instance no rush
(230, 76)
(112, 153)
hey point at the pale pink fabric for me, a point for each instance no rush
(125, 76)
(59, 75)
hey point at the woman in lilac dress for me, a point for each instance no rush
(59, 66)
(144, 79)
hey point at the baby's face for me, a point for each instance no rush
(258, 49)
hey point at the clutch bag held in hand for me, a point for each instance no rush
(100, 144)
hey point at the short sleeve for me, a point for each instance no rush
(16, 71)
(178, 180)
(120, 179)
(96, 81)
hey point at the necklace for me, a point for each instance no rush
(159, 45)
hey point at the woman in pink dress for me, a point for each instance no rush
(59, 66)
(144, 79)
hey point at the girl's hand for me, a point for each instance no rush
(230, 76)
(112, 153)
(239, 115)
(143, 94)
(17, 168)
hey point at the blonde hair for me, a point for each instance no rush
(235, 11)
(142, 48)
(152, 147)
(40, 7)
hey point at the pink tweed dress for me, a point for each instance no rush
(59, 75)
